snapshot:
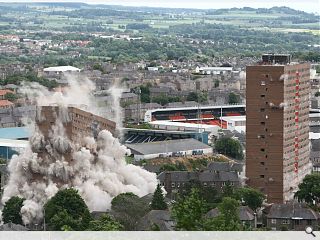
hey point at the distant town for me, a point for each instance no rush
(118, 118)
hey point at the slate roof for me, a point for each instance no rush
(13, 227)
(225, 166)
(145, 106)
(152, 168)
(161, 218)
(245, 213)
(292, 210)
(167, 146)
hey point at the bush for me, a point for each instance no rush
(11, 211)
(230, 147)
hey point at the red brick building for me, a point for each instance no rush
(277, 126)
(77, 123)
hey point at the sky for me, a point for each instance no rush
(303, 5)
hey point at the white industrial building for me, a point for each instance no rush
(235, 123)
(213, 70)
(61, 69)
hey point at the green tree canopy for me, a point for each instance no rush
(197, 97)
(178, 166)
(233, 98)
(230, 147)
(67, 208)
(188, 212)
(158, 202)
(309, 189)
(105, 223)
(11, 210)
(228, 219)
(128, 208)
(208, 193)
(250, 197)
(29, 77)
(145, 93)
(10, 96)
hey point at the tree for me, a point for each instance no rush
(228, 190)
(208, 193)
(105, 223)
(230, 147)
(145, 94)
(98, 67)
(250, 197)
(197, 97)
(158, 202)
(10, 96)
(228, 219)
(11, 210)
(188, 212)
(233, 98)
(178, 166)
(309, 189)
(67, 209)
(128, 209)
(192, 96)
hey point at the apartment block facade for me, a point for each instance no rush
(77, 123)
(277, 126)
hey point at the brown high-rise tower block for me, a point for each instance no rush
(77, 123)
(277, 126)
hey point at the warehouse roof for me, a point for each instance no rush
(167, 146)
(15, 133)
(62, 69)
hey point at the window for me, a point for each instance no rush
(262, 163)
(262, 149)
(309, 222)
(172, 185)
(262, 123)
(262, 95)
(262, 109)
(273, 221)
(223, 183)
(261, 176)
(286, 221)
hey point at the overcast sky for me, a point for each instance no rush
(304, 5)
